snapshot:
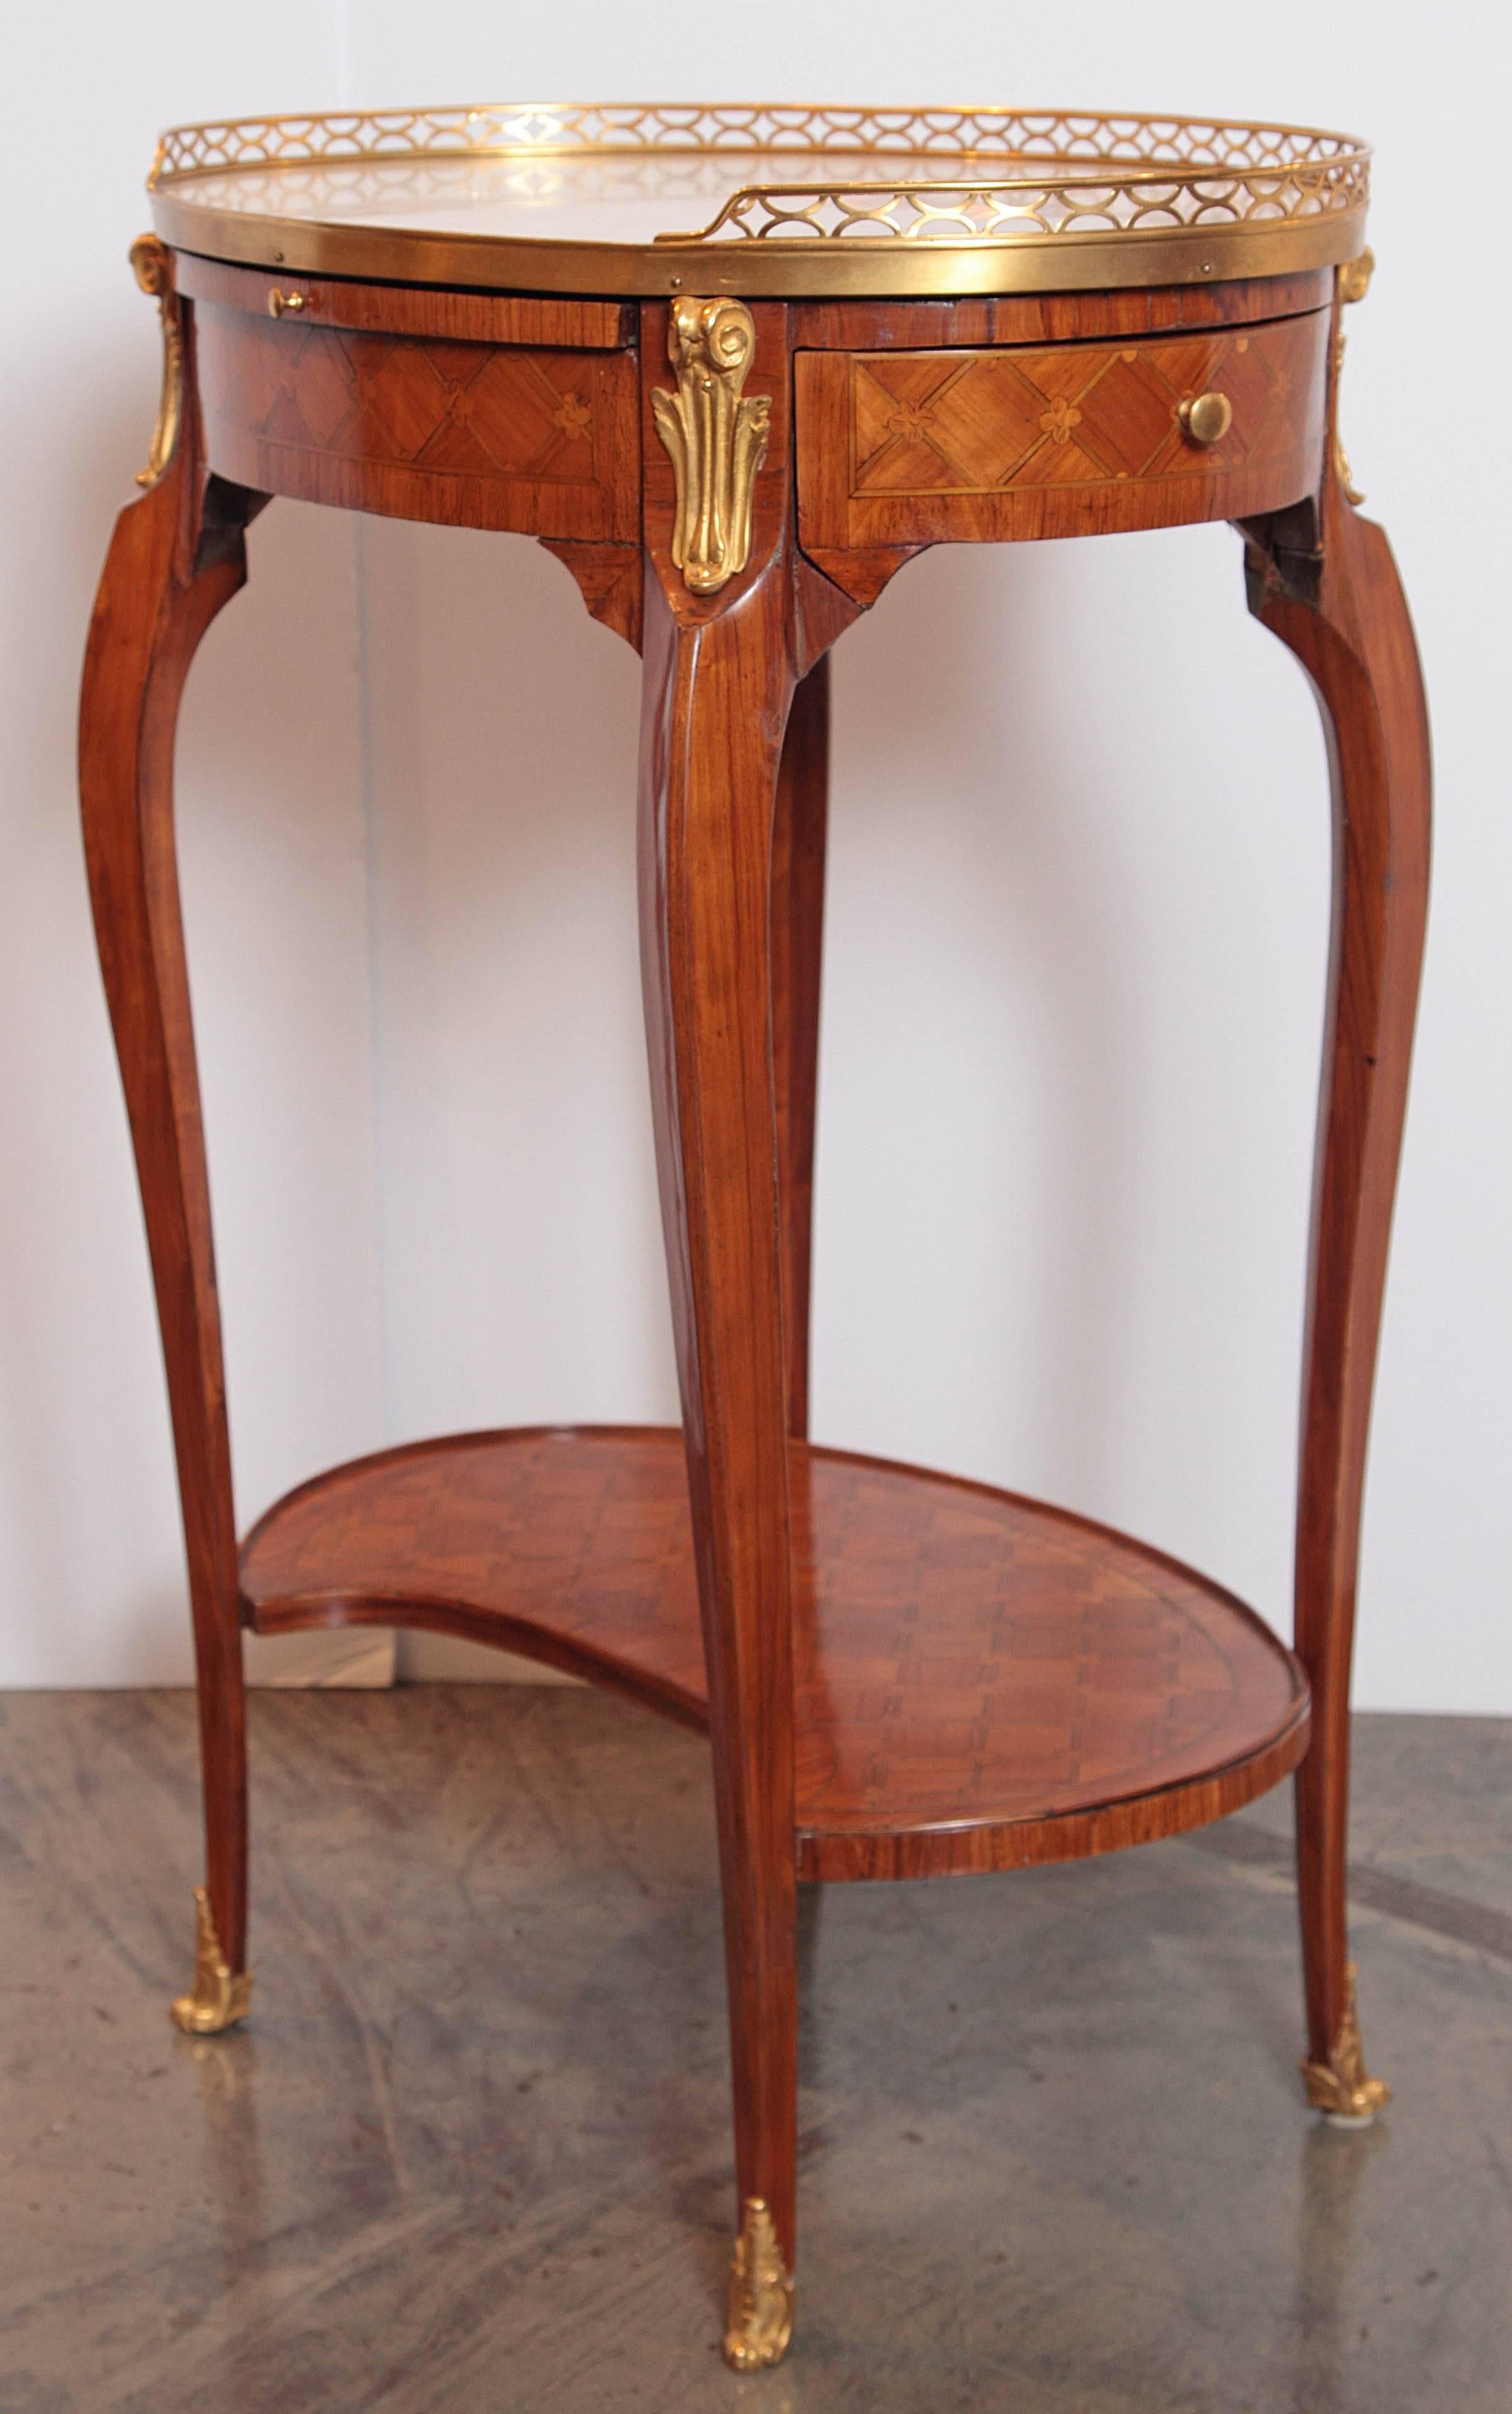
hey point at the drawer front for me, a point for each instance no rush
(1061, 439)
(479, 435)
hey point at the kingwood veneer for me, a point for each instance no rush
(892, 331)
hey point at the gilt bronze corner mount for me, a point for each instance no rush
(153, 263)
(717, 439)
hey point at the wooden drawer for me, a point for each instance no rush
(541, 438)
(898, 449)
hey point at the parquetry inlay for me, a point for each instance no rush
(1068, 415)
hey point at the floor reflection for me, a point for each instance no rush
(1325, 2306)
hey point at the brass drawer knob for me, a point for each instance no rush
(279, 305)
(1208, 419)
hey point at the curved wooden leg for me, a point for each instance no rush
(176, 557)
(798, 842)
(1341, 610)
(717, 697)
(733, 619)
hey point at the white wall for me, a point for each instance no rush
(274, 872)
(1075, 938)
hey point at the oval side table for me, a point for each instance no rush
(890, 330)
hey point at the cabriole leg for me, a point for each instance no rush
(716, 700)
(176, 557)
(1340, 608)
(731, 892)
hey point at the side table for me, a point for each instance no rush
(892, 329)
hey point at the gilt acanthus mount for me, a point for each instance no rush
(717, 438)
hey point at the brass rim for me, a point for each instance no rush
(1025, 201)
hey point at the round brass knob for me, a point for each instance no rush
(280, 303)
(1208, 419)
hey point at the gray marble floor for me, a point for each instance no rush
(472, 2151)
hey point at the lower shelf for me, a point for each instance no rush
(981, 1682)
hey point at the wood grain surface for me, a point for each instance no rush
(176, 559)
(1325, 583)
(908, 448)
(558, 321)
(539, 439)
(980, 1682)
(720, 674)
(799, 835)
(1054, 318)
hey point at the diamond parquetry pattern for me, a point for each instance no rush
(1069, 414)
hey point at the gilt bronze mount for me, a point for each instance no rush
(822, 202)
(218, 1997)
(1342, 2087)
(761, 2294)
(717, 438)
(152, 264)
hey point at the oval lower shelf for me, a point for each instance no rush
(981, 1682)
